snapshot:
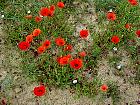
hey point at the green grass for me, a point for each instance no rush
(44, 68)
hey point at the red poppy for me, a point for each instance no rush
(138, 33)
(52, 7)
(38, 19)
(104, 88)
(60, 4)
(63, 60)
(76, 63)
(24, 45)
(41, 49)
(36, 32)
(51, 13)
(111, 16)
(47, 44)
(68, 48)
(60, 41)
(69, 56)
(133, 2)
(82, 54)
(84, 33)
(127, 26)
(115, 39)
(39, 90)
(28, 17)
(29, 38)
(44, 11)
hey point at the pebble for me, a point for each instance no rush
(119, 66)
(17, 90)
(75, 81)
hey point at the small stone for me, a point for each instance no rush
(29, 11)
(115, 49)
(74, 81)
(119, 66)
(17, 90)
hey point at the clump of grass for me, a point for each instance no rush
(114, 92)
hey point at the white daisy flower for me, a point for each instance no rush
(115, 49)
(110, 10)
(2, 16)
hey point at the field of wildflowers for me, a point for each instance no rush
(60, 47)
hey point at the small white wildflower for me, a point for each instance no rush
(110, 10)
(2, 16)
(115, 49)
(29, 11)
(74, 81)
(119, 66)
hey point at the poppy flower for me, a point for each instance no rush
(36, 32)
(69, 56)
(82, 54)
(76, 63)
(111, 16)
(41, 49)
(68, 48)
(38, 19)
(28, 17)
(24, 45)
(50, 13)
(44, 11)
(60, 4)
(29, 38)
(138, 33)
(63, 60)
(47, 44)
(127, 26)
(39, 90)
(115, 39)
(84, 33)
(52, 7)
(60, 41)
(133, 2)
(104, 88)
